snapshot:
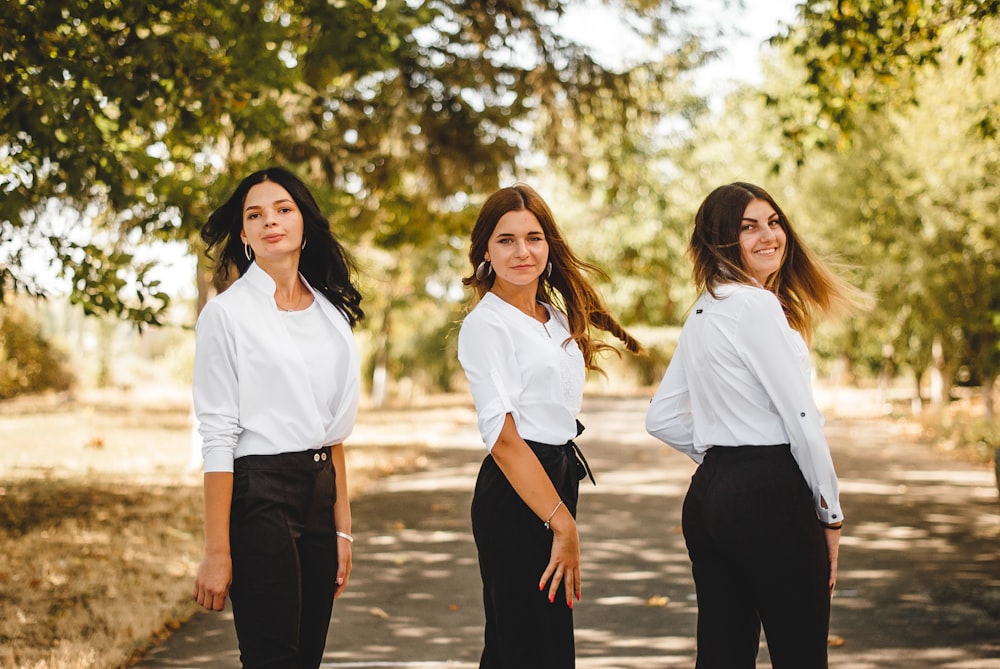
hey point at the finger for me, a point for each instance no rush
(546, 575)
(557, 578)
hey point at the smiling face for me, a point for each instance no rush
(272, 221)
(517, 248)
(762, 240)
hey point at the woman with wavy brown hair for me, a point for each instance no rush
(762, 515)
(526, 348)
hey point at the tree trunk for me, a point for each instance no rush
(989, 382)
(936, 391)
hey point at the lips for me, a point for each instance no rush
(273, 238)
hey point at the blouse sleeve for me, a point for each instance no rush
(216, 389)
(669, 416)
(486, 353)
(767, 345)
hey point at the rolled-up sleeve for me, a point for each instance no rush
(216, 389)
(768, 347)
(486, 353)
(669, 416)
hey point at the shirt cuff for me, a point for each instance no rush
(219, 461)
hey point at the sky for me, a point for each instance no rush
(593, 23)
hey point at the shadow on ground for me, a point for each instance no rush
(919, 585)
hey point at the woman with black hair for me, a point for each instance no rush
(276, 389)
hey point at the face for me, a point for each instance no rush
(517, 248)
(272, 222)
(762, 240)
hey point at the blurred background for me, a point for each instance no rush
(124, 123)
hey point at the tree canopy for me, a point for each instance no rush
(141, 115)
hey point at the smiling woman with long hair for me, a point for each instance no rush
(762, 515)
(526, 348)
(276, 390)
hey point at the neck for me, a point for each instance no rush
(524, 297)
(285, 274)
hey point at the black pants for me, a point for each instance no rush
(284, 550)
(759, 556)
(523, 629)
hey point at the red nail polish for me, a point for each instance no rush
(552, 598)
(571, 603)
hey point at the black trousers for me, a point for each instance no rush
(523, 629)
(759, 556)
(284, 549)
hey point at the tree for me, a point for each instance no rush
(145, 114)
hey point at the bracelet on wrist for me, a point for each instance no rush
(345, 535)
(552, 515)
(833, 526)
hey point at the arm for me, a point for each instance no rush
(669, 417)
(833, 550)
(342, 519)
(529, 479)
(215, 574)
(779, 360)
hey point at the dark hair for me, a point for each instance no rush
(565, 287)
(802, 283)
(324, 263)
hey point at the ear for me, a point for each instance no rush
(243, 235)
(486, 257)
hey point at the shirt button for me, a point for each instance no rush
(803, 414)
(323, 456)
(316, 457)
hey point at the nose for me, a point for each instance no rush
(522, 249)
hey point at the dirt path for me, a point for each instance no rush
(920, 563)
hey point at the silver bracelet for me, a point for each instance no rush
(549, 519)
(345, 535)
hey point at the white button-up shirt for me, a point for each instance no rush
(255, 392)
(517, 365)
(742, 377)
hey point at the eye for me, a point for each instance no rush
(775, 222)
(748, 227)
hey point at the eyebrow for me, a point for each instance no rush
(276, 202)
(754, 220)
(530, 232)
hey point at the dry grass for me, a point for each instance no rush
(101, 526)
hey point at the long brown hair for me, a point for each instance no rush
(803, 284)
(565, 287)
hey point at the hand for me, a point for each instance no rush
(833, 550)
(344, 563)
(211, 585)
(564, 563)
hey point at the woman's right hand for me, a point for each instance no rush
(211, 585)
(564, 562)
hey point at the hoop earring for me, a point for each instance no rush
(484, 269)
(304, 240)
(247, 251)
(548, 271)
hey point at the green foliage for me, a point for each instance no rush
(394, 110)
(865, 55)
(28, 362)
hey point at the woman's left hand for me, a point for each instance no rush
(833, 551)
(344, 559)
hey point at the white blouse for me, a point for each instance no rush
(517, 365)
(742, 377)
(260, 387)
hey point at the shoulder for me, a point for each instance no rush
(485, 325)
(741, 299)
